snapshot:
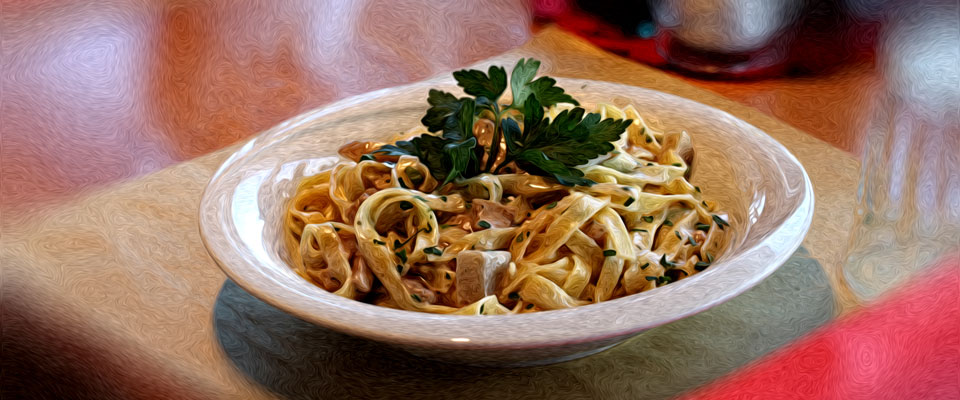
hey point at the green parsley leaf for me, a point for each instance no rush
(521, 75)
(557, 147)
(442, 106)
(476, 83)
(609, 253)
(548, 93)
(483, 224)
(460, 156)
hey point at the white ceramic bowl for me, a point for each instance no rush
(762, 186)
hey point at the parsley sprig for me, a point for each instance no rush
(540, 147)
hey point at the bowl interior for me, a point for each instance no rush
(752, 177)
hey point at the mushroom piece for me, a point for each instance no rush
(478, 273)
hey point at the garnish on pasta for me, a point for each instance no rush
(499, 208)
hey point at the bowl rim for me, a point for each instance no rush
(420, 329)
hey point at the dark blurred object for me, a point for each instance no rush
(726, 37)
(720, 38)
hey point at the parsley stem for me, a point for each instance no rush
(495, 143)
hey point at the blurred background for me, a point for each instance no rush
(98, 92)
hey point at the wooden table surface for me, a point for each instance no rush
(101, 100)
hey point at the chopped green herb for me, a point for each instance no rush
(638, 230)
(625, 188)
(649, 139)
(446, 275)
(648, 219)
(483, 224)
(609, 253)
(703, 227)
(468, 206)
(551, 205)
(700, 265)
(665, 279)
(514, 296)
(481, 309)
(445, 226)
(403, 255)
(529, 306)
(651, 278)
(720, 221)
(420, 198)
(399, 269)
(697, 188)
(433, 250)
(678, 235)
(375, 241)
(367, 157)
(519, 238)
(676, 164)
(444, 198)
(665, 263)
(709, 257)
(397, 244)
(668, 222)
(403, 185)
(644, 266)
(628, 202)
(692, 242)
(415, 297)
(649, 164)
(405, 205)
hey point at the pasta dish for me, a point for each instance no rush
(494, 208)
